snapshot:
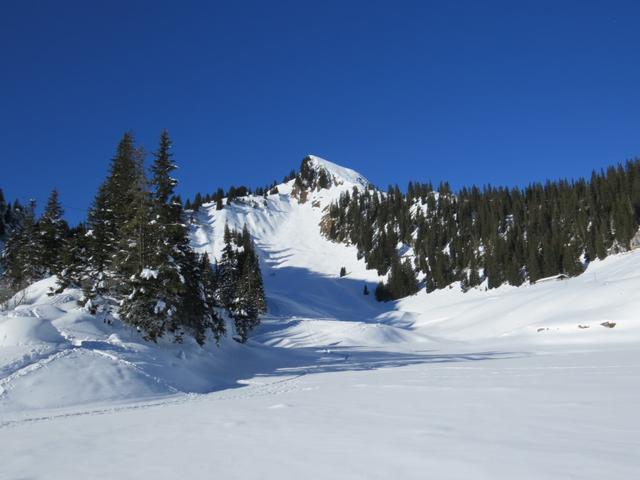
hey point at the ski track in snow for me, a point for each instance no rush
(250, 391)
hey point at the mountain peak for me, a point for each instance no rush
(335, 174)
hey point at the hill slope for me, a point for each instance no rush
(512, 382)
(310, 306)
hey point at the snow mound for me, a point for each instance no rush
(79, 377)
(28, 330)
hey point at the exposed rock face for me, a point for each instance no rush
(317, 174)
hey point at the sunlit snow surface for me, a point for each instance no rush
(510, 383)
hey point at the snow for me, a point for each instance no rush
(505, 383)
(148, 273)
(19, 331)
(339, 174)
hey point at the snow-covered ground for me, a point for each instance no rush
(507, 383)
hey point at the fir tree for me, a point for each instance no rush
(166, 281)
(73, 259)
(227, 272)
(53, 231)
(115, 205)
(22, 257)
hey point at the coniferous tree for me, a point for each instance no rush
(249, 299)
(53, 231)
(227, 272)
(22, 256)
(3, 211)
(167, 281)
(513, 234)
(115, 205)
(212, 319)
(73, 259)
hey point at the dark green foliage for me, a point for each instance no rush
(4, 208)
(115, 210)
(239, 282)
(234, 193)
(166, 281)
(22, 256)
(307, 174)
(497, 235)
(212, 319)
(73, 259)
(53, 231)
(323, 180)
(134, 259)
(382, 293)
(402, 281)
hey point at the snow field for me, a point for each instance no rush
(508, 383)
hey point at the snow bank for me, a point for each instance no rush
(18, 331)
(569, 311)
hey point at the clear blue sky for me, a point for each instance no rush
(470, 92)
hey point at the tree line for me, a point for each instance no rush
(132, 258)
(234, 193)
(493, 235)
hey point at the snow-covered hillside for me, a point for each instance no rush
(532, 382)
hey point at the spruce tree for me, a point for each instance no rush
(227, 272)
(113, 209)
(73, 259)
(53, 231)
(165, 281)
(22, 256)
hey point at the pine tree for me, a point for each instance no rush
(116, 203)
(249, 299)
(323, 180)
(212, 319)
(227, 272)
(166, 281)
(73, 259)
(382, 293)
(3, 209)
(22, 256)
(53, 231)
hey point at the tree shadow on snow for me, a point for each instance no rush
(297, 292)
(296, 362)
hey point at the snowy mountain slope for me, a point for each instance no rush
(339, 175)
(300, 267)
(507, 383)
(48, 342)
(553, 311)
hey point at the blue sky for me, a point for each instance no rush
(470, 92)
